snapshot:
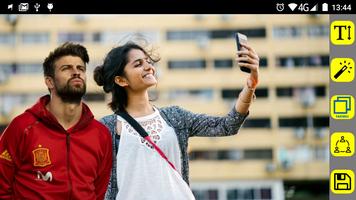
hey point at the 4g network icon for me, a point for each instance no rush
(342, 32)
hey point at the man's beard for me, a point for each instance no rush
(71, 94)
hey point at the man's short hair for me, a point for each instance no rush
(66, 49)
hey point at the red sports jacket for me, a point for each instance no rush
(39, 159)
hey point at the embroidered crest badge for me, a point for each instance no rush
(41, 157)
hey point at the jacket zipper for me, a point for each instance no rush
(68, 166)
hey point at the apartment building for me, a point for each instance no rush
(281, 152)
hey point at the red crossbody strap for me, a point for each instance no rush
(143, 134)
(159, 151)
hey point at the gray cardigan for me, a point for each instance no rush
(185, 124)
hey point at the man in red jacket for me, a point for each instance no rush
(56, 149)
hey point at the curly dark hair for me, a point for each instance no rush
(114, 65)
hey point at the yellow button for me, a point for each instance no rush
(342, 107)
(342, 144)
(342, 32)
(342, 181)
(342, 70)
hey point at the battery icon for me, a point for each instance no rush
(325, 7)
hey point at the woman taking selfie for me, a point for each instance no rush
(152, 163)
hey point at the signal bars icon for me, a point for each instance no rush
(292, 6)
(314, 8)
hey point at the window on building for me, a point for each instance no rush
(325, 60)
(233, 194)
(27, 68)
(216, 155)
(320, 132)
(230, 33)
(97, 37)
(203, 155)
(263, 62)
(314, 61)
(261, 92)
(113, 37)
(321, 121)
(214, 34)
(288, 122)
(297, 154)
(258, 154)
(320, 91)
(253, 32)
(70, 36)
(284, 91)
(7, 39)
(187, 64)
(21, 68)
(232, 94)
(229, 94)
(5, 71)
(266, 193)
(228, 63)
(213, 194)
(150, 36)
(287, 32)
(249, 193)
(207, 194)
(35, 38)
(81, 18)
(302, 154)
(198, 94)
(10, 101)
(222, 34)
(223, 63)
(296, 61)
(321, 152)
(233, 154)
(257, 123)
(303, 61)
(187, 35)
(317, 31)
(298, 31)
(121, 37)
(2, 128)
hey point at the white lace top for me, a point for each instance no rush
(142, 174)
